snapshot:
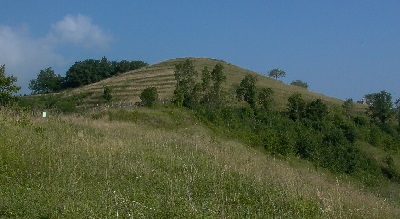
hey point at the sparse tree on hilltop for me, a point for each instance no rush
(276, 73)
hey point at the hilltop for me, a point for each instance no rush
(126, 87)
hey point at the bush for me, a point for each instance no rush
(149, 96)
(107, 93)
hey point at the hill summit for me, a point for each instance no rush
(126, 87)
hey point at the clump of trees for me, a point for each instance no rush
(308, 129)
(190, 93)
(46, 82)
(379, 106)
(81, 73)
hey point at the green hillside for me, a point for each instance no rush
(126, 87)
(160, 163)
(206, 159)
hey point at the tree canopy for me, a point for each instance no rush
(47, 81)
(185, 76)
(7, 87)
(149, 96)
(247, 90)
(81, 73)
(379, 106)
(276, 73)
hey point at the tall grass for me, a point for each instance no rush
(118, 167)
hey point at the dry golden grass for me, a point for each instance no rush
(128, 86)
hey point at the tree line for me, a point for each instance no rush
(311, 130)
(81, 73)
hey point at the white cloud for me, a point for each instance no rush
(24, 55)
(79, 29)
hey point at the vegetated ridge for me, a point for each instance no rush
(170, 162)
(126, 87)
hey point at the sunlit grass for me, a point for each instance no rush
(159, 163)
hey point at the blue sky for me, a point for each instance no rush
(343, 49)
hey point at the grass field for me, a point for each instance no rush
(160, 163)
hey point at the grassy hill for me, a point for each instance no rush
(171, 162)
(126, 87)
(160, 163)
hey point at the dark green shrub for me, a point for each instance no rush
(307, 144)
(271, 142)
(375, 136)
(149, 96)
(389, 170)
(107, 93)
(296, 107)
(66, 106)
(316, 110)
(360, 121)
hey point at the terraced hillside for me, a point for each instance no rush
(126, 87)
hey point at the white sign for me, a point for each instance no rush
(44, 114)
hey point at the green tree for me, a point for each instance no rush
(88, 71)
(178, 97)
(247, 90)
(299, 83)
(46, 81)
(185, 76)
(265, 98)
(379, 106)
(107, 93)
(122, 66)
(296, 107)
(149, 96)
(7, 87)
(218, 77)
(206, 79)
(397, 105)
(316, 110)
(348, 107)
(125, 66)
(276, 73)
(137, 64)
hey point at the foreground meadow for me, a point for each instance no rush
(159, 164)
